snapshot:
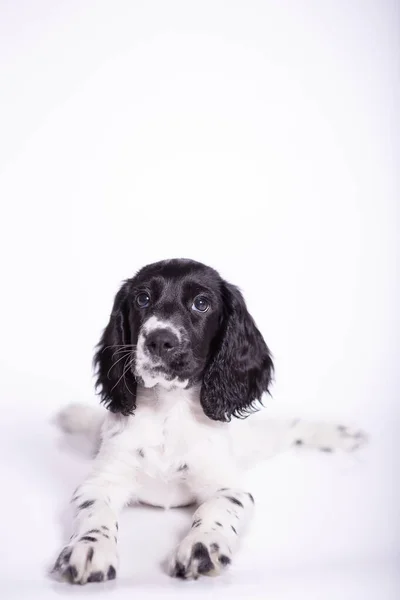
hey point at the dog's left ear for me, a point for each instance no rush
(114, 359)
(240, 367)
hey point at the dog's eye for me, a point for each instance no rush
(143, 300)
(200, 304)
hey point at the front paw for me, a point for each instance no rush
(200, 554)
(86, 561)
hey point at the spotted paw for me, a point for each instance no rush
(87, 561)
(351, 439)
(327, 437)
(200, 554)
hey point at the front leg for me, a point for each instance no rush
(217, 526)
(91, 554)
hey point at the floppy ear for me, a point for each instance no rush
(115, 357)
(240, 367)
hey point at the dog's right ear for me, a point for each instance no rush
(115, 359)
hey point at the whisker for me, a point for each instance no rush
(126, 368)
(119, 346)
(126, 385)
(117, 361)
(122, 350)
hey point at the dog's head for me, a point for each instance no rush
(178, 323)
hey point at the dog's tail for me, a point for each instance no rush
(80, 419)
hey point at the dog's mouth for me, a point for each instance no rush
(149, 376)
(179, 367)
(178, 370)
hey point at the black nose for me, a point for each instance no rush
(161, 343)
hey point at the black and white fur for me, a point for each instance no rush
(180, 361)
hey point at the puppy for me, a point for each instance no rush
(179, 364)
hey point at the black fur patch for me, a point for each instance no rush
(234, 501)
(71, 573)
(62, 559)
(88, 538)
(90, 554)
(86, 504)
(251, 497)
(111, 573)
(200, 553)
(179, 570)
(196, 523)
(233, 529)
(96, 577)
(214, 547)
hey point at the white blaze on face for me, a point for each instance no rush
(145, 363)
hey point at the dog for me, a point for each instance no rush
(179, 365)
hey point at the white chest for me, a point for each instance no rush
(169, 440)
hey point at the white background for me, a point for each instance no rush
(261, 137)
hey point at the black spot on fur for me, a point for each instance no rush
(62, 559)
(111, 573)
(86, 504)
(298, 443)
(90, 554)
(105, 527)
(224, 560)
(105, 535)
(251, 498)
(140, 452)
(218, 523)
(196, 523)
(233, 529)
(88, 538)
(183, 467)
(93, 531)
(179, 570)
(96, 577)
(116, 526)
(234, 501)
(71, 573)
(214, 547)
(223, 490)
(326, 449)
(200, 553)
